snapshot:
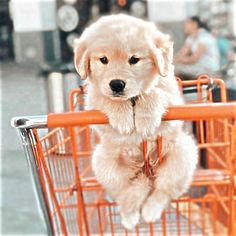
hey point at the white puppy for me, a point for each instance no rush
(128, 64)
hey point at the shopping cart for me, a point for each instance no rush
(59, 147)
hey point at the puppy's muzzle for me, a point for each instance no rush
(117, 86)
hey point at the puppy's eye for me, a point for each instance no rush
(104, 60)
(133, 60)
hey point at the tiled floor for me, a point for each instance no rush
(23, 93)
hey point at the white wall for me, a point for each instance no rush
(162, 11)
(33, 15)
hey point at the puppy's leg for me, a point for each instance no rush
(173, 176)
(120, 116)
(120, 183)
(131, 200)
(120, 113)
(149, 110)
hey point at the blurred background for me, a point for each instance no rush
(37, 71)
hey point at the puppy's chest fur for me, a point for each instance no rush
(134, 155)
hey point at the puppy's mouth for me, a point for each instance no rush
(118, 96)
(123, 97)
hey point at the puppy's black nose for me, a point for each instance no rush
(117, 85)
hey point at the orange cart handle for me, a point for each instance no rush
(185, 112)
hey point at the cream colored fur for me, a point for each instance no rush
(118, 157)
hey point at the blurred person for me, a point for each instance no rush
(200, 53)
(224, 50)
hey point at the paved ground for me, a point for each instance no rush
(22, 94)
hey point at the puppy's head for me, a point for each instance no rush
(123, 56)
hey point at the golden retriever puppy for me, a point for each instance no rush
(128, 66)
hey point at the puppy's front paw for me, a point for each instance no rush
(147, 125)
(130, 220)
(124, 124)
(151, 211)
(121, 117)
(149, 110)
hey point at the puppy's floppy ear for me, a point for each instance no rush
(81, 58)
(163, 53)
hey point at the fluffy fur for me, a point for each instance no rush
(151, 81)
